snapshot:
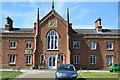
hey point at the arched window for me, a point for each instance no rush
(52, 40)
(42, 59)
(62, 59)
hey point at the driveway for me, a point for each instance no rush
(38, 74)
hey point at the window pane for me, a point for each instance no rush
(76, 44)
(12, 44)
(92, 59)
(109, 45)
(52, 40)
(42, 59)
(92, 45)
(11, 58)
(28, 59)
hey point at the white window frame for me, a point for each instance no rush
(28, 44)
(108, 58)
(75, 43)
(53, 43)
(12, 44)
(29, 59)
(62, 62)
(93, 45)
(76, 59)
(12, 58)
(92, 58)
(41, 62)
(108, 43)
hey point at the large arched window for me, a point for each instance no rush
(42, 59)
(62, 59)
(52, 40)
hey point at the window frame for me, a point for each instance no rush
(26, 61)
(62, 62)
(76, 43)
(76, 59)
(13, 60)
(53, 42)
(92, 45)
(108, 48)
(12, 44)
(41, 60)
(108, 63)
(28, 43)
(92, 61)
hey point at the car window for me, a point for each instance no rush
(110, 64)
(115, 65)
(66, 67)
(119, 65)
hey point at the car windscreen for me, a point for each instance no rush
(66, 67)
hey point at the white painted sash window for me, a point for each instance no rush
(109, 60)
(11, 58)
(12, 44)
(76, 59)
(76, 45)
(109, 45)
(28, 59)
(92, 45)
(92, 59)
(28, 44)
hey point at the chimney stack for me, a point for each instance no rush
(9, 24)
(98, 26)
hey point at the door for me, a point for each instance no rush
(52, 62)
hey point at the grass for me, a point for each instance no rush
(97, 75)
(9, 74)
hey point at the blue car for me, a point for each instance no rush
(66, 71)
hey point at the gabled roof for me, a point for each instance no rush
(53, 12)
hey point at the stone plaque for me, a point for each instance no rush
(52, 23)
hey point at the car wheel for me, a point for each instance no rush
(114, 70)
(111, 71)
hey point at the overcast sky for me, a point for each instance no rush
(82, 14)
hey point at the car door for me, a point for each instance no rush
(119, 67)
(115, 67)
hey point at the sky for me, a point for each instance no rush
(82, 14)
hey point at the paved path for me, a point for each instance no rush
(38, 74)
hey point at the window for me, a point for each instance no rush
(52, 40)
(28, 59)
(92, 45)
(28, 45)
(76, 59)
(62, 59)
(76, 45)
(92, 59)
(42, 59)
(109, 45)
(11, 58)
(12, 44)
(109, 60)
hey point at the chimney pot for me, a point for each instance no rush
(9, 24)
(98, 26)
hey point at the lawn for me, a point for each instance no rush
(9, 74)
(97, 75)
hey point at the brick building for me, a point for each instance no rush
(52, 41)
